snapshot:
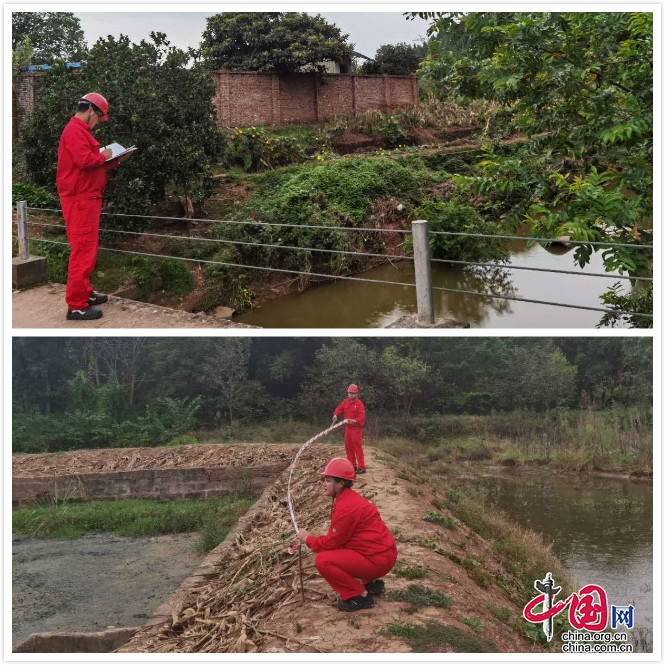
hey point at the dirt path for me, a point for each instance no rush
(44, 307)
(91, 583)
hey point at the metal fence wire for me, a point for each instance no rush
(420, 255)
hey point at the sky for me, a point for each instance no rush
(366, 30)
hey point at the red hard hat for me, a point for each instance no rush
(353, 388)
(99, 101)
(339, 467)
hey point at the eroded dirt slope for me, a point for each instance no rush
(247, 595)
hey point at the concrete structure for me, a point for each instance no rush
(76, 641)
(30, 271)
(159, 484)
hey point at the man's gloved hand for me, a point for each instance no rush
(334, 420)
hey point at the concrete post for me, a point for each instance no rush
(423, 271)
(23, 242)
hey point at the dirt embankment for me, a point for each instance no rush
(247, 596)
(134, 459)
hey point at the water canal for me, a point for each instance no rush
(347, 304)
(601, 529)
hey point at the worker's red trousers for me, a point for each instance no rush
(340, 568)
(82, 223)
(353, 444)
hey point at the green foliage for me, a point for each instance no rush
(414, 572)
(434, 637)
(451, 216)
(400, 59)
(580, 84)
(156, 103)
(420, 596)
(36, 197)
(271, 42)
(475, 624)
(392, 134)
(339, 191)
(255, 149)
(220, 518)
(53, 36)
(100, 418)
(640, 300)
(439, 518)
(332, 194)
(474, 402)
(169, 277)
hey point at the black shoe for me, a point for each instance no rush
(356, 603)
(361, 471)
(97, 298)
(87, 314)
(376, 587)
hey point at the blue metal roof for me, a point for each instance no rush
(37, 68)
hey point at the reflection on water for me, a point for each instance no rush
(346, 304)
(601, 530)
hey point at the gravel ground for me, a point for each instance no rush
(96, 581)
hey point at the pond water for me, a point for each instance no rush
(348, 304)
(601, 529)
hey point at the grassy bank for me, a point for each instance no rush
(133, 517)
(618, 441)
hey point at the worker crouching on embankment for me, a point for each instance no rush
(358, 545)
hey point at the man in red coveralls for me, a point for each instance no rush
(81, 179)
(358, 545)
(354, 410)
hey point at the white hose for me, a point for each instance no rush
(295, 461)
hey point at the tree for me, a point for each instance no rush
(406, 379)
(225, 372)
(54, 36)
(541, 379)
(580, 84)
(271, 42)
(156, 103)
(336, 365)
(398, 59)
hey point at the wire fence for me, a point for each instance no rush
(420, 255)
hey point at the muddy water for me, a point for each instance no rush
(97, 581)
(346, 304)
(601, 530)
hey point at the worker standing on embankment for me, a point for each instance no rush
(354, 411)
(358, 546)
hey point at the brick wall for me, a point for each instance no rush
(244, 99)
(159, 484)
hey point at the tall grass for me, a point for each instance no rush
(610, 440)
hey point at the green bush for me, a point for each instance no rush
(170, 277)
(451, 216)
(37, 197)
(254, 149)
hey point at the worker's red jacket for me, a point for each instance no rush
(355, 525)
(352, 409)
(82, 168)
